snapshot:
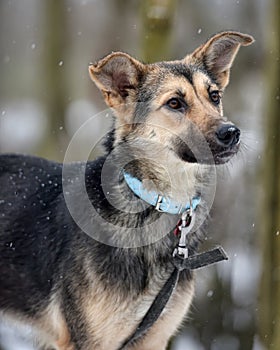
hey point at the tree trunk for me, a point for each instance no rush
(157, 23)
(55, 91)
(269, 316)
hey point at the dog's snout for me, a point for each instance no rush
(228, 135)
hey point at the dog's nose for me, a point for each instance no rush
(228, 135)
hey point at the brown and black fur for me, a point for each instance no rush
(78, 293)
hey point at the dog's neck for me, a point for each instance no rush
(160, 202)
(162, 171)
(136, 223)
(158, 167)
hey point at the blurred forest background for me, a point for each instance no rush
(46, 95)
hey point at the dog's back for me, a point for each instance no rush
(30, 241)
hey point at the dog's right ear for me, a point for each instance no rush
(117, 76)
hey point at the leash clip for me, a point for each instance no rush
(185, 228)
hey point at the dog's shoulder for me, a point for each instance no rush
(13, 163)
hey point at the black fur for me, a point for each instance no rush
(179, 69)
(41, 245)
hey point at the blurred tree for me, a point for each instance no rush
(157, 24)
(214, 317)
(269, 315)
(55, 89)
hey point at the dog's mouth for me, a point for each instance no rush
(225, 155)
(216, 154)
(217, 148)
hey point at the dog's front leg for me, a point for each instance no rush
(156, 338)
(167, 325)
(151, 343)
(63, 338)
(63, 344)
(63, 341)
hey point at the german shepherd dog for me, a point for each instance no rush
(90, 291)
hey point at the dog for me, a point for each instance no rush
(82, 291)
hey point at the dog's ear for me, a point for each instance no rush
(117, 76)
(218, 53)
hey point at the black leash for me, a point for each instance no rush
(181, 262)
(193, 262)
(155, 309)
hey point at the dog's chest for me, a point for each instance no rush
(112, 319)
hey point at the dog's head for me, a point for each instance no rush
(167, 102)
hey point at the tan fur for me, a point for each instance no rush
(64, 342)
(49, 328)
(171, 319)
(202, 111)
(111, 319)
(105, 314)
(53, 323)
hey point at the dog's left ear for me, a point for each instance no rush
(117, 76)
(218, 53)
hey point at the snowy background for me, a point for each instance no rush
(36, 119)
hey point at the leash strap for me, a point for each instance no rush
(155, 309)
(182, 261)
(191, 263)
(197, 261)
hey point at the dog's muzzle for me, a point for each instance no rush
(228, 135)
(225, 143)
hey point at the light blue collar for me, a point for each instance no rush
(161, 203)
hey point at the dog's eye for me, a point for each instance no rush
(174, 103)
(215, 97)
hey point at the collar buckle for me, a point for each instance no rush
(161, 203)
(158, 203)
